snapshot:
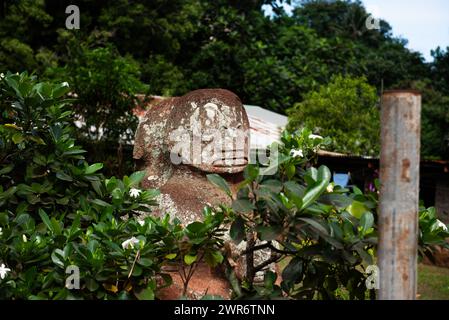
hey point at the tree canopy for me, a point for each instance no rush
(274, 61)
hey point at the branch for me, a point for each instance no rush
(255, 248)
(270, 246)
(281, 251)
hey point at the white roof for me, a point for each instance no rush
(265, 126)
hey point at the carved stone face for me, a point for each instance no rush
(208, 129)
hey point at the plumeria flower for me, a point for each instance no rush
(127, 244)
(3, 271)
(297, 153)
(315, 136)
(134, 192)
(441, 225)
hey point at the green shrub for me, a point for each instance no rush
(57, 210)
(105, 84)
(325, 235)
(347, 110)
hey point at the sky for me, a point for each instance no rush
(424, 23)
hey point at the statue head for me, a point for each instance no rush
(208, 129)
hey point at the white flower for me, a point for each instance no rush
(1, 231)
(296, 153)
(134, 192)
(2, 75)
(141, 222)
(3, 271)
(330, 188)
(65, 84)
(130, 243)
(24, 238)
(441, 225)
(315, 136)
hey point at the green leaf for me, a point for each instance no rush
(269, 279)
(171, 256)
(221, 183)
(312, 174)
(340, 201)
(145, 262)
(242, 206)
(38, 140)
(6, 169)
(91, 285)
(294, 188)
(196, 227)
(72, 152)
(356, 209)
(251, 172)
(56, 226)
(268, 233)
(63, 176)
(213, 258)
(4, 219)
(18, 138)
(58, 257)
(293, 271)
(135, 178)
(290, 170)
(97, 187)
(367, 221)
(189, 259)
(313, 192)
(93, 168)
(101, 203)
(356, 190)
(46, 220)
(237, 231)
(273, 185)
(315, 224)
(145, 294)
(117, 194)
(218, 257)
(60, 90)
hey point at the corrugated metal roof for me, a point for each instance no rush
(265, 126)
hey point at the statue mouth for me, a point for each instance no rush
(231, 162)
(231, 158)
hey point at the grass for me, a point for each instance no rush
(433, 283)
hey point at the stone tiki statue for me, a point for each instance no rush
(180, 140)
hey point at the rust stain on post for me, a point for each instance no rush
(405, 176)
(399, 194)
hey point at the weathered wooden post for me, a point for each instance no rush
(399, 194)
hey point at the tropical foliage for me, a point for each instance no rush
(58, 211)
(325, 236)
